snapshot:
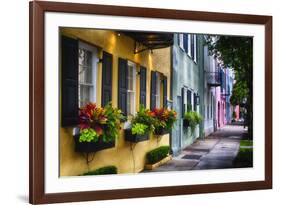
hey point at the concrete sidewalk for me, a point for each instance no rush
(216, 151)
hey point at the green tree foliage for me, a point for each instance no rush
(239, 93)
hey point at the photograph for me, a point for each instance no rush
(129, 102)
(141, 102)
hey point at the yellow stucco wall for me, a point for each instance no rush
(72, 163)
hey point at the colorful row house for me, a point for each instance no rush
(187, 89)
(124, 68)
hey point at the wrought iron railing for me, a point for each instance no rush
(213, 78)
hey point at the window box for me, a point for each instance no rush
(135, 138)
(161, 131)
(88, 147)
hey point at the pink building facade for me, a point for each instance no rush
(237, 112)
(220, 108)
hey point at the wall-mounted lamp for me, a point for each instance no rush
(100, 60)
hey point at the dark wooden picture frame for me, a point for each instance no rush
(37, 95)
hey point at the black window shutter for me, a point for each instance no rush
(153, 90)
(143, 86)
(165, 91)
(192, 46)
(194, 101)
(122, 84)
(185, 42)
(189, 100)
(106, 78)
(182, 101)
(69, 63)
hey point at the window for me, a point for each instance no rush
(158, 87)
(87, 74)
(180, 39)
(189, 100)
(131, 92)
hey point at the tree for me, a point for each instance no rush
(237, 53)
(240, 92)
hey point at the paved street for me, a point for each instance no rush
(216, 151)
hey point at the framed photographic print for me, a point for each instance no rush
(138, 102)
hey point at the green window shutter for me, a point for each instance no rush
(69, 81)
(165, 97)
(143, 86)
(122, 84)
(153, 90)
(106, 78)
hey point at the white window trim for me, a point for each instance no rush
(95, 60)
(181, 41)
(195, 47)
(189, 44)
(133, 65)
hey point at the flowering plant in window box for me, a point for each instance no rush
(164, 120)
(99, 127)
(142, 125)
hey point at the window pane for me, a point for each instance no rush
(84, 94)
(130, 78)
(130, 103)
(158, 90)
(86, 82)
(131, 90)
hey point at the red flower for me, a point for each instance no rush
(152, 114)
(98, 130)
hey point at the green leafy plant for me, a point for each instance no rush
(143, 117)
(102, 171)
(193, 118)
(88, 135)
(198, 118)
(139, 129)
(157, 154)
(99, 123)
